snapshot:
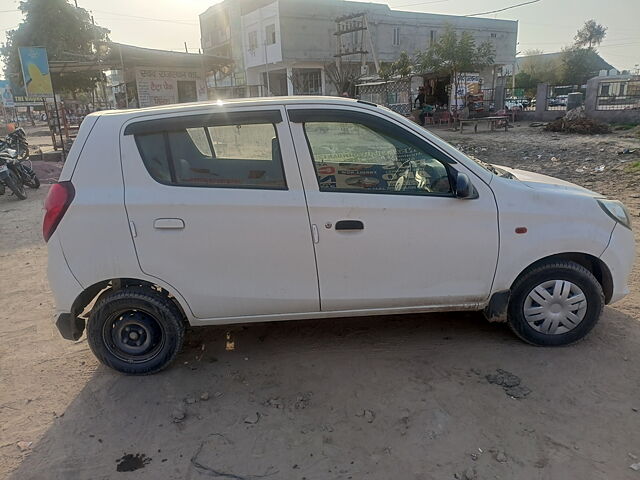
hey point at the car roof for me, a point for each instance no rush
(248, 102)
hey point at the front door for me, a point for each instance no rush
(390, 231)
(218, 211)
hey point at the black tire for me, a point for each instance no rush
(16, 186)
(33, 181)
(152, 315)
(555, 270)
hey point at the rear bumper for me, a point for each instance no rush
(619, 256)
(70, 327)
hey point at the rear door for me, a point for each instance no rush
(391, 232)
(218, 211)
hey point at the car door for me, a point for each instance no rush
(217, 210)
(389, 230)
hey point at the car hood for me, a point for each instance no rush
(538, 181)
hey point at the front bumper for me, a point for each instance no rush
(70, 327)
(619, 256)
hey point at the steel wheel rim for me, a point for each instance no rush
(555, 307)
(133, 336)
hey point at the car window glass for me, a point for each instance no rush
(155, 156)
(242, 156)
(352, 157)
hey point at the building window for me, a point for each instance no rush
(396, 36)
(307, 82)
(253, 41)
(433, 37)
(494, 35)
(270, 34)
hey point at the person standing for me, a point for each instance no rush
(421, 101)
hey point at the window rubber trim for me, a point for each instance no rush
(178, 123)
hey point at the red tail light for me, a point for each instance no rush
(58, 200)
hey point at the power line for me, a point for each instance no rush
(146, 18)
(503, 9)
(416, 4)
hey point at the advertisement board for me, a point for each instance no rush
(35, 71)
(5, 94)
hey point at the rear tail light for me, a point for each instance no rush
(58, 200)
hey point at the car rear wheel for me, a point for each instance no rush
(557, 303)
(137, 331)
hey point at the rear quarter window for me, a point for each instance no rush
(234, 155)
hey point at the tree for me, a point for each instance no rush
(577, 65)
(590, 35)
(67, 32)
(454, 54)
(344, 78)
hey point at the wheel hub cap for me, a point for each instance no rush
(133, 336)
(555, 307)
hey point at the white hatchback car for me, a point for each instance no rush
(291, 208)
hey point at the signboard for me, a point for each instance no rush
(467, 83)
(5, 94)
(35, 71)
(165, 87)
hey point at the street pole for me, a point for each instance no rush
(55, 104)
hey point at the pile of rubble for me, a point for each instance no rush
(576, 121)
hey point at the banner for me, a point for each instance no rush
(35, 71)
(5, 94)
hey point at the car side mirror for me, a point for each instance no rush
(464, 187)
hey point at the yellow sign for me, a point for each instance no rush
(35, 71)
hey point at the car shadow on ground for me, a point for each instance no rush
(362, 398)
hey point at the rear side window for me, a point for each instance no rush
(211, 154)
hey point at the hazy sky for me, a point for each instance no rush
(547, 25)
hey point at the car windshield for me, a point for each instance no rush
(492, 168)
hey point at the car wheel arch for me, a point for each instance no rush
(93, 293)
(592, 263)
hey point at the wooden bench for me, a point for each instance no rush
(492, 121)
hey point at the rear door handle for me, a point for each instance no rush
(168, 224)
(349, 225)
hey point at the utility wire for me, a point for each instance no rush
(145, 18)
(503, 9)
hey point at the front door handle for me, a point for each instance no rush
(349, 225)
(168, 224)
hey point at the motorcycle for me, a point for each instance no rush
(17, 140)
(10, 176)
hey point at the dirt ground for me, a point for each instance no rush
(368, 398)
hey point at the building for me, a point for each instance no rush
(283, 47)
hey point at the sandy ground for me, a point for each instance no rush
(369, 398)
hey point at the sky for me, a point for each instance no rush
(547, 25)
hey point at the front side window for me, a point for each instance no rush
(353, 157)
(235, 155)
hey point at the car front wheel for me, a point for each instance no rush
(137, 331)
(556, 303)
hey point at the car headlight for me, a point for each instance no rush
(616, 210)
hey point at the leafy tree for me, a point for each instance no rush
(67, 33)
(577, 65)
(590, 35)
(453, 54)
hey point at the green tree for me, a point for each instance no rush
(453, 54)
(577, 65)
(67, 33)
(590, 35)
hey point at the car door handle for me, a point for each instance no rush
(349, 225)
(168, 224)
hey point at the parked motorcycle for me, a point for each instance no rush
(17, 140)
(10, 176)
